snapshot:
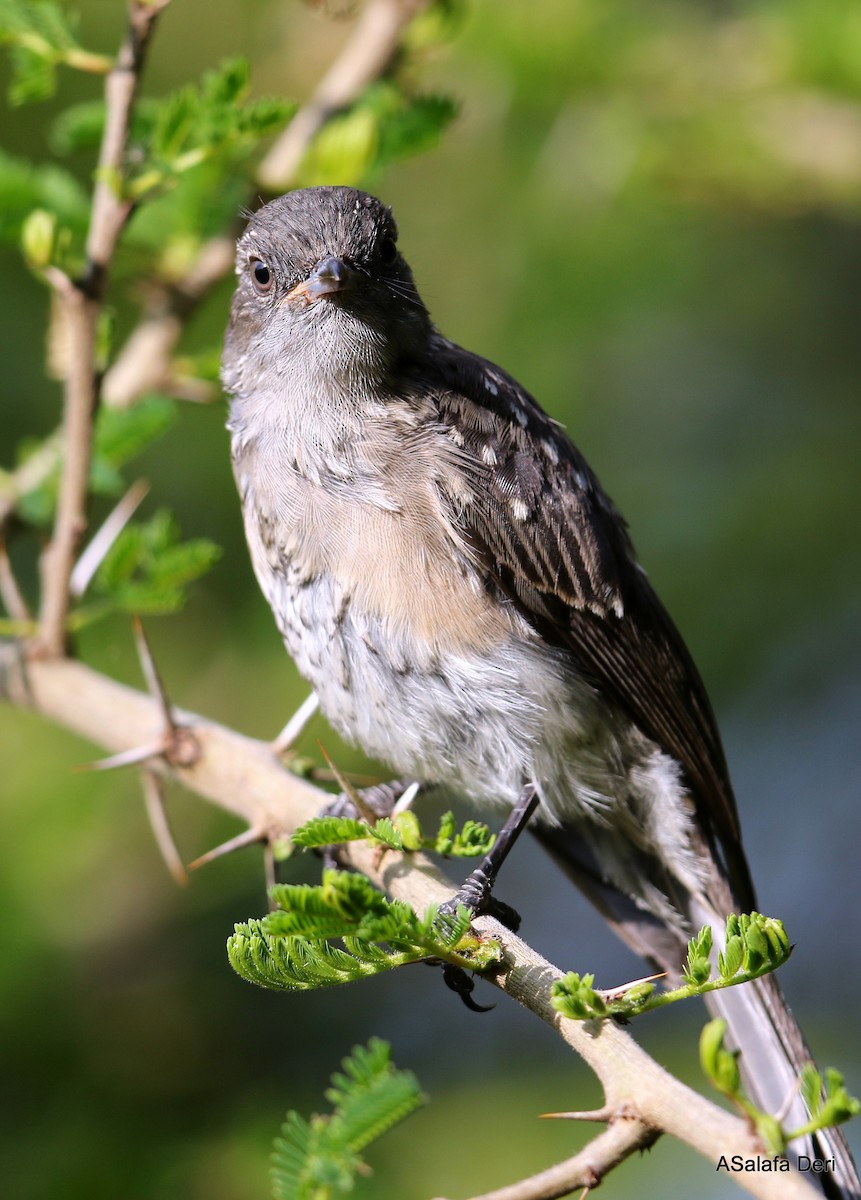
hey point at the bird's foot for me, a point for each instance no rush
(476, 891)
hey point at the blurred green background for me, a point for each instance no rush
(650, 215)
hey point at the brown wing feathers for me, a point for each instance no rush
(553, 544)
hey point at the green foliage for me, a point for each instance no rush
(319, 1159)
(41, 37)
(120, 436)
(403, 832)
(755, 945)
(148, 567)
(25, 187)
(198, 122)
(574, 996)
(472, 841)
(719, 1063)
(826, 1099)
(290, 950)
(384, 125)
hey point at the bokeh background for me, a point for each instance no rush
(650, 215)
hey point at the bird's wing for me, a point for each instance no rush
(552, 543)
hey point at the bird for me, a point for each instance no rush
(464, 598)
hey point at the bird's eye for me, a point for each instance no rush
(261, 277)
(388, 252)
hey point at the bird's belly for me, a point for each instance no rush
(481, 721)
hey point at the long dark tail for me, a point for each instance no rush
(761, 1026)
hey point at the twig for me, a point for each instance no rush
(242, 776)
(366, 57)
(82, 306)
(145, 361)
(585, 1169)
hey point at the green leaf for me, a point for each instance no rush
(147, 568)
(330, 831)
(386, 834)
(41, 36)
(370, 1096)
(319, 1159)
(290, 949)
(574, 996)
(214, 118)
(472, 841)
(698, 966)
(720, 1064)
(826, 1099)
(383, 126)
(124, 433)
(79, 127)
(25, 187)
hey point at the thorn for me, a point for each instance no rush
(247, 838)
(153, 680)
(125, 758)
(602, 1115)
(615, 993)
(406, 798)
(179, 746)
(289, 735)
(101, 542)
(349, 791)
(157, 813)
(326, 775)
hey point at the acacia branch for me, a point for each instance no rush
(81, 304)
(366, 57)
(242, 776)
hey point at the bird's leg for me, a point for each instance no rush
(476, 890)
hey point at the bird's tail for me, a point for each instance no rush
(772, 1048)
(772, 1055)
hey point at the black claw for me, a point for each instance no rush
(458, 980)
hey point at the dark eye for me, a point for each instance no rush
(261, 277)
(388, 252)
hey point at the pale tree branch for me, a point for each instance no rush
(243, 776)
(622, 1138)
(145, 363)
(366, 57)
(81, 303)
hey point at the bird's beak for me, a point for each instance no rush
(330, 276)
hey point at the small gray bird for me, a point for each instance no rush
(463, 597)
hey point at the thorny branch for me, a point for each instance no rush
(81, 304)
(243, 776)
